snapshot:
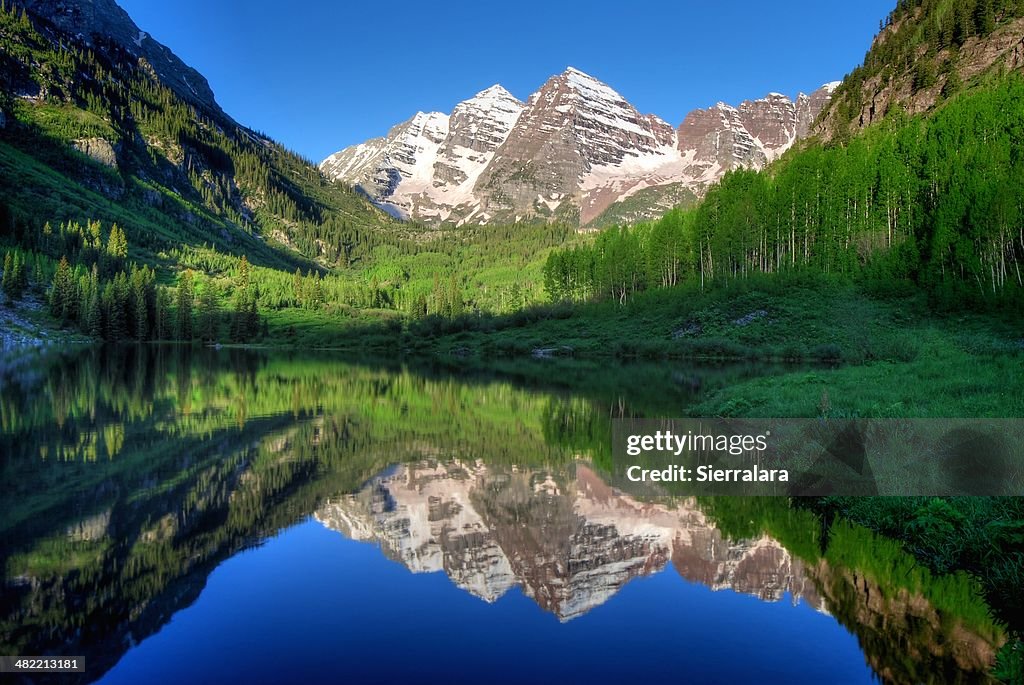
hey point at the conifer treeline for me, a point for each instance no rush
(123, 307)
(126, 304)
(935, 201)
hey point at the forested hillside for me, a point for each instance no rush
(930, 200)
(140, 215)
(93, 133)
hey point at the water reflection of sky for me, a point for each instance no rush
(311, 606)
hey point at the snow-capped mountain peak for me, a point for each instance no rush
(495, 92)
(575, 148)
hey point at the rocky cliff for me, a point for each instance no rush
(925, 53)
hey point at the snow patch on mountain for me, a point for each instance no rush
(428, 165)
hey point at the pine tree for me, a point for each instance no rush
(456, 304)
(117, 247)
(117, 302)
(139, 287)
(163, 324)
(245, 317)
(208, 323)
(62, 291)
(47, 239)
(297, 294)
(8, 279)
(107, 307)
(185, 297)
(439, 304)
(317, 297)
(243, 277)
(419, 307)
(984, 17)
(94, 313)
(94, 237)
(20, 276)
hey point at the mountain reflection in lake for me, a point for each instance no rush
(567, 540)
(174, 516)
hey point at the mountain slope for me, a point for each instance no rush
(568, 540)
(99, 22)
(575, 140)
(576, 150)
(757, 132)
(927, 51)
(124, 131)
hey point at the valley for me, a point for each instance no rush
(215, 350)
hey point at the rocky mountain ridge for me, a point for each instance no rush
(572, 151)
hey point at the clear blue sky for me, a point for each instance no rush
(319, 75)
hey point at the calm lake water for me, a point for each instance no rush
(195, 516)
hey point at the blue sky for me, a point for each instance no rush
(320, 75)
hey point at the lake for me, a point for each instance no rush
(190, 515)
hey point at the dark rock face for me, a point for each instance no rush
(571, 126)
(97, 22)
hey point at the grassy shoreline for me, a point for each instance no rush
(871, 354)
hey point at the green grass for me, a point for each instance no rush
(788, 319)
(943, 381)
(65, 122)
(857, 354)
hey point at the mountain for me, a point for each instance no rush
(722, 137)
(568, 541)
(430, 163)
(98, 121)
(96, 23)
(576, 150)
(926, 52)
